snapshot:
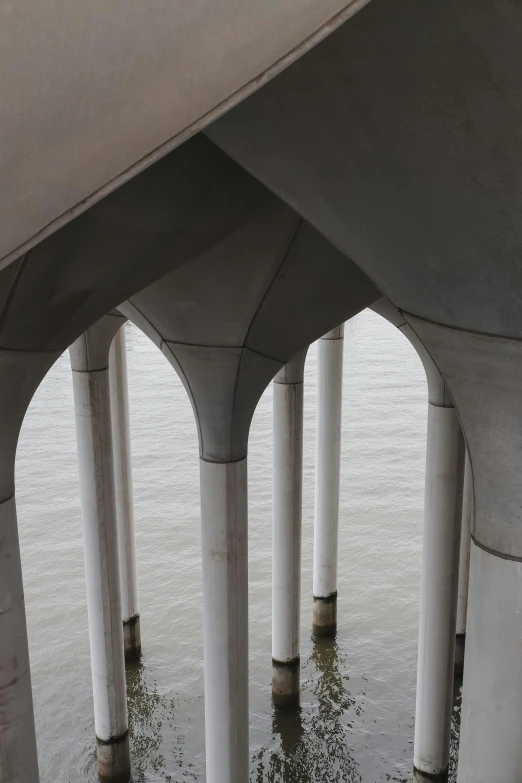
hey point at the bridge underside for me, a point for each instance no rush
(387, 159)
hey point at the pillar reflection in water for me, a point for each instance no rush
(314, 740)
(156, 728)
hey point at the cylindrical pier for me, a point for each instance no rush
(491, 720)
(124, 496)
(439, 589)
(327, 480)
(20, 374)
(465, 549)
(18, 756)
(225, 619)
(100, 534)
(286, 530)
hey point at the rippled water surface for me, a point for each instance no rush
(358, 693)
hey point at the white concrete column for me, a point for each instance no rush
(286, 530)
(484, 374)
(445, 452)
(119, 393)
(327, 478)
(439, 589)
(491, 719)
(465, 548)
(89, 361)
(20, 374)
(18, 757)
(225, 619)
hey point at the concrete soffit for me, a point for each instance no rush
(69, 211)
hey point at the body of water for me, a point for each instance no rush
(358, 692)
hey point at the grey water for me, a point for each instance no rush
(358, 692)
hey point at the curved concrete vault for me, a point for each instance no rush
(241, 283)
(390, 155)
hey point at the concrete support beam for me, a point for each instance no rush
(439, 591)
(484, 376)
(327, 480)
(465, 549)
(440, 564)
(225, 384)
(89, 362)
(119, 396)
(20, 375)
(237, 334)
(18, 756)
(286, 531)
(224, 518)
(491, 718)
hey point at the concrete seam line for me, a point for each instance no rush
(244, 346)
(198, 125)
(7, 499)
(326, 599)
(462, 329)
(291, 383)
(272, 280)
(11, 608)
(84, 372)
(35, 351)
(223, 348)
(495, 552)
(223, 461)
(202, 345)
(15, 680)
(291, 662)
(14, 288)
(113, 740)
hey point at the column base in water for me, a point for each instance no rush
(285, 682)
(460, 646)
(114, 760)
(132, 639)
(424, 777)
(325, 615)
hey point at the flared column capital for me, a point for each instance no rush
(293, 371)
(484, 375)
(21, 372)
(90, 352)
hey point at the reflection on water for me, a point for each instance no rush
(314, 740)
(455, 728)
(157, 739)
(358, 692)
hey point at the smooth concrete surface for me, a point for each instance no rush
(444, 511)
(225, 353)
(491, 718)
(330, 349)
(122, 455)
(482, 373)
(392, 152)
(20, 375)
(439, 591)
(97, 108)
(227, 323)
(179, 221)
(89, 361)
(438, 393)
(18, 755)
(286, 530)
(224, 526)
(484, 376)
(465, 549)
